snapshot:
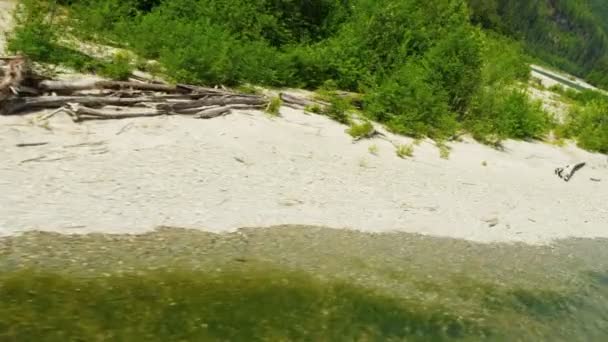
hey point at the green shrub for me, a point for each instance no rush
(33, 34)
(249, 89)
(444, 150)
(587, 96)
(338, 110)
(588, 124)
(498, 114)
(361, 130)
(581, 97)
(119, 68)
(504, 61)
(274, 106)
(454, 65)
(315, 108)
(409, 103)
(557, 88)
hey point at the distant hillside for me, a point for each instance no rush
(570, 34)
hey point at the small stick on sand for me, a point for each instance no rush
(32, 144)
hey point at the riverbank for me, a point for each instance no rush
(249, 169)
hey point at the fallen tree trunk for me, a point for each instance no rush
(297, 102)
(214, 112)
(204, 90)
(70, 86)
(223, 100)
(16, 105)
(86, 98)
(92, 84)
(81, 113)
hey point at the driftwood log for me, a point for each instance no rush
(214, 112)
(23, 104)
(80, 113)
(298, 102)
(70, 86)
(94, 99)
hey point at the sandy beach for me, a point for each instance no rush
(251, 170)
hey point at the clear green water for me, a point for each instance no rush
(299, 283)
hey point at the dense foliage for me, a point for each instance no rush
(588, 121)
(423, 67)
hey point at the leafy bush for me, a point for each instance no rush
(411, 104)
(506, 113)
(454, 64)
(338, 110)
(34, 34)
(119, 68)
(315, 108)
(38, 38)
(588, 124)
(581, 97)
(360, 130)
(504, 61)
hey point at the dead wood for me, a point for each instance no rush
(298, 102)
(138, 76)
(192, 111)
(32, 144)
(81, 113)
(202, 90)
(218, 100)
(214, 112)
(22, 104)
(138, 86)
(70, 86)
(86, 99)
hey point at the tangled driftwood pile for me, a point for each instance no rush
(22, 91)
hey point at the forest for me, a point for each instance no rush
(423, 68)
(571, 35)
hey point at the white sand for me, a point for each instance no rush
(248, 170)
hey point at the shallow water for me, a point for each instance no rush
(299, 283)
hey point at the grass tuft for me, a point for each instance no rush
(373, 149)
(404, 151)
(362, 130)
(274, 106)
(314, 109)
(444, 150)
